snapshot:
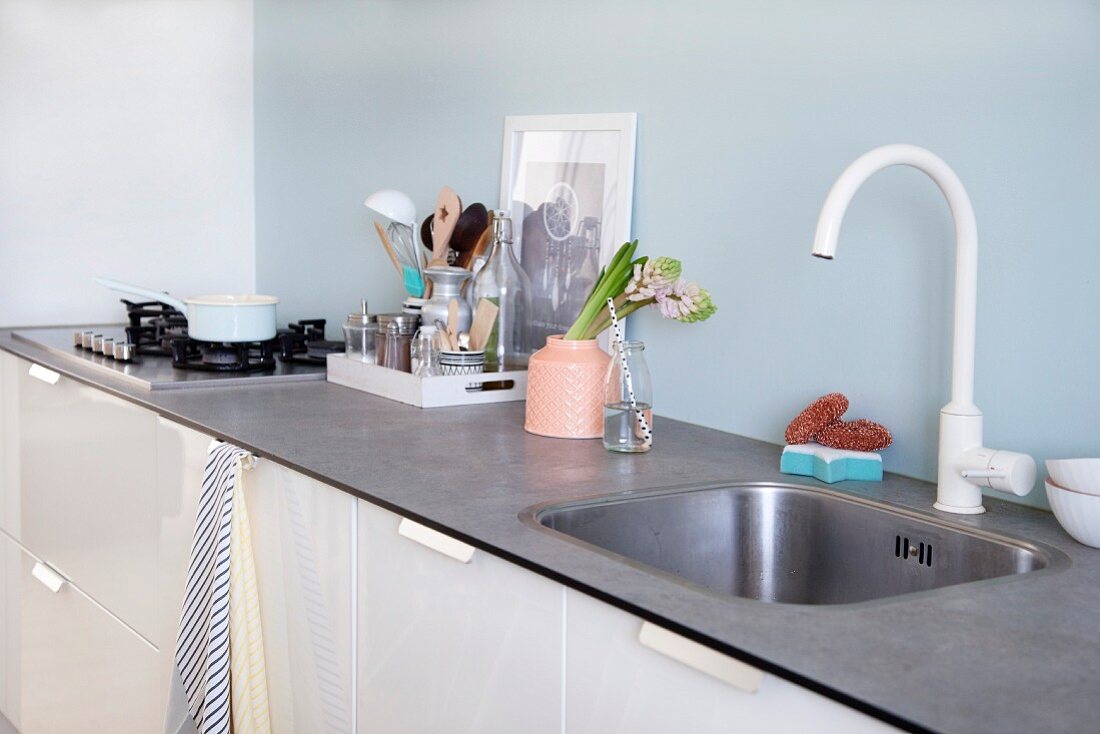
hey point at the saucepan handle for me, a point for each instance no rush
(149, 293)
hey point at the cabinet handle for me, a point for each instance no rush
(436, 540)
(39, 372)
(49, 578)
(702, 658)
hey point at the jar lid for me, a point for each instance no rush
(362, 318)
(406, 322)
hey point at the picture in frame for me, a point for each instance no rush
(568, 182)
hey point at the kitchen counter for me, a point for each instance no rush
(1005, 655)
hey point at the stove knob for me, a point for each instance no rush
(124, 351)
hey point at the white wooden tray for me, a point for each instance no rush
(427, 392)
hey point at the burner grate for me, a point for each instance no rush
(304, 342)
(188, 354)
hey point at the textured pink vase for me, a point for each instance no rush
(565, 389)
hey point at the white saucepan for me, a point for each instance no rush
(232, 318)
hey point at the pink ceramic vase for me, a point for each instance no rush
(565, 389)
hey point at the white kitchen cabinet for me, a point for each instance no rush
(616, 684)
(9, 444)
(181, 459)
(447, 646)
(303, 542)
(302, 536)
(87, 494)
(68, 665)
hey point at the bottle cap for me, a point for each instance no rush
(502, 226)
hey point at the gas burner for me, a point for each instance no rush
(153, 326)
(188, 354)
(304, 343)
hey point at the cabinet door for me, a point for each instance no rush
(88, 500)
(11, 573)
(69, 666)
(181, 460)
(447, 646)
(9, 443)
(302, 540)
(616, 684)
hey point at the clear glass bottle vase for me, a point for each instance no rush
(628, 400)
(503, 281)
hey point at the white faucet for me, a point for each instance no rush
(965, 466)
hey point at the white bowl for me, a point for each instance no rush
(1079, 513)
(1080, 475)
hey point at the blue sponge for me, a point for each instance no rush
(830, 465)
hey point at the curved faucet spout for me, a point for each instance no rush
(966, 246)
(965, 464)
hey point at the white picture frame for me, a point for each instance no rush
(568, 182)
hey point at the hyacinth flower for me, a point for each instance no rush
(633, 284)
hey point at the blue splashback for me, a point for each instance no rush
(747, 113)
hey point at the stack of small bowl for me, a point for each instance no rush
(1074, 493)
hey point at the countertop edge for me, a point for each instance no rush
(146, 399)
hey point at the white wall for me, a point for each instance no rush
(125, 150)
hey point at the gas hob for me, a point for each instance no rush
(154, 369)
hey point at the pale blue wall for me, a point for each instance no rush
(747, 113)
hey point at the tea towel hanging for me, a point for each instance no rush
(217, 681)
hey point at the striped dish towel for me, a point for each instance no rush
(204, 655)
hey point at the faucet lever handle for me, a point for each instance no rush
(1006, 471)
(983, 473)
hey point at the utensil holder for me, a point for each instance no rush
(428, 392)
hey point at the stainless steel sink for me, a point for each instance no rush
(789, 544)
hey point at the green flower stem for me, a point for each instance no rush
(621, 312)
(616, 276)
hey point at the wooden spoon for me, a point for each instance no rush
(452, 322)
(426, 232)
(484, 318)
(448, 208)
(483, 241)
(470, 225)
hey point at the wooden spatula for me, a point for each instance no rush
(448, 208)
(452, 322)
(484, 319)
(388, 247)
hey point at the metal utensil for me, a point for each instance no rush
(404, 258)
(444, 337)
(388, 247)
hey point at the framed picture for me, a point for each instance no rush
(568, 181)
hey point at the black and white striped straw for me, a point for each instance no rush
(643, 424)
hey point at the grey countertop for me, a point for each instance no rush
(1017, 655)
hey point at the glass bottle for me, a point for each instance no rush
(425, 352)
(391, 357)
(628, 390)
(503, 282)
